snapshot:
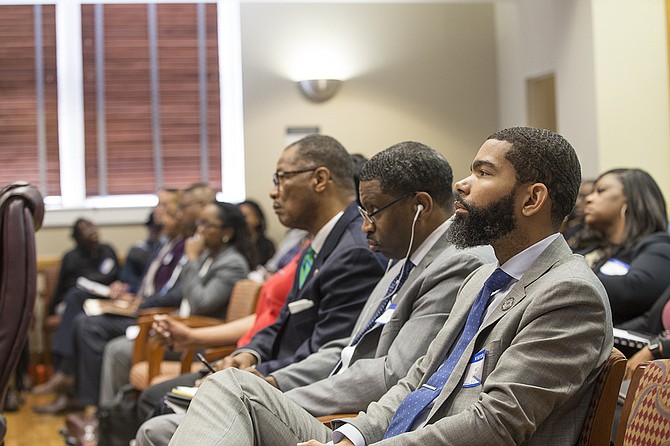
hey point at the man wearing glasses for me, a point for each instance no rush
(313, 190)
(406, 204)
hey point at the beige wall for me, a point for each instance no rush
(611, 65)
(423, 72)
(54, 242)
(631, 67)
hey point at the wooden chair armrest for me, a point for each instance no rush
(144, 321)
(214, 353)
(156, 310)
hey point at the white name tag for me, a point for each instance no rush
(386, 315)
(106, 266)
(473, 374)
(300, 305)
(615, 267)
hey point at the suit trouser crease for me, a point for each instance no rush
(247, 412)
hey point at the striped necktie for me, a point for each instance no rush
(305, 265)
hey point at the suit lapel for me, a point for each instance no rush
(557, 250)
(350, 214)
(409, 286)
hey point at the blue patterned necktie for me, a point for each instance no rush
(417, 401)
(393, 288)
(305, 265)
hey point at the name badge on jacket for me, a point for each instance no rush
(300, 305)
(386, 315)
(475, 370)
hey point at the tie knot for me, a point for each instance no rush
(497, 280)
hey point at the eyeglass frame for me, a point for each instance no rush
(278, 175)
(370, 217)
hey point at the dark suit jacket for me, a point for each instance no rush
(342, 277)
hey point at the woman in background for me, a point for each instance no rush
(262, 247)
(219, 254)
(632, 258)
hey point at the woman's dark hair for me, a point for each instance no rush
(645, 207)
(231, 217)
(260, 229)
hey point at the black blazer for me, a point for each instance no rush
(342, 277)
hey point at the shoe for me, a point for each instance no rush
(83, 427)
(58, 383)
(62, 404)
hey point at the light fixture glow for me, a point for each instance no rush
(319, 90)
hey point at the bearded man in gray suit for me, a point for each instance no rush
(517, 359)
(406, 204)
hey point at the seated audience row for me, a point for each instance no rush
(393, 348)
(549, 317)
(195, 274)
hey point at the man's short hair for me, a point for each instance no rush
(542, 156)
(410, 167)
(321, 150)
(201, 193)
(77, 232)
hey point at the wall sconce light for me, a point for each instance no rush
(319, 90)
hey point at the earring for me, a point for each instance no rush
(225, 239)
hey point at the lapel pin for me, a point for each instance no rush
(508, 303)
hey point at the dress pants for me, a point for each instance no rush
(152, 396)
(234, 407)
(92, 334)
(63, 339)
(158, 431)
(116, 361)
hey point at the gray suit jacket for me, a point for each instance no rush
(209, 295)
(385, 353)
(545, 345)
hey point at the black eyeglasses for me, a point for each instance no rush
(279, 175)
(370, 216)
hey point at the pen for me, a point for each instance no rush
(204, 361)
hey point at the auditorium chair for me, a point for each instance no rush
(645, 418)
(21, 214)
(597, 427)
(149, 366)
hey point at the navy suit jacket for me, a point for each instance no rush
(343, 275)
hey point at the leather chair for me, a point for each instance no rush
(21, 214)
(645, 418)
(597, 427)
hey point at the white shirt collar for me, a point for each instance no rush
(323, 233)
(521, 262)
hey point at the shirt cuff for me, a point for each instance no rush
(351, 433)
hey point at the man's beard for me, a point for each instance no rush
(482, 226)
